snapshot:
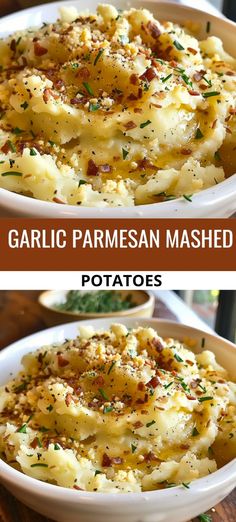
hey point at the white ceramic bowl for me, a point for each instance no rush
(66, 505)
(218, 201)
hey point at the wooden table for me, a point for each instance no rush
(20, 315)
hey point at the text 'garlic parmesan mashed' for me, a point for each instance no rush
(115, 109)
(118, 411)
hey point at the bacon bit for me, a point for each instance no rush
(184, 446)
(148, 75)
(83, 73)
(34, 443)
(78, 101)
(157, 344)
(156, 105)
(130, 125)
(190, 398)
(153, 383)
(68, 399)
(140, 92)
(62, 361)
(228, 130)
(144, 400)
(13, 45)
(5, 148)
(214, 124)
(193, 93)
(145, 164)
(191, 50)
(159, 408)
(193, 384)
(78, 488)
(132, 97)
(150, 456)
(186, 152)
(141, 386)
(198, 76)
(191, 363)
(230, 73)
(157, 65)
(92, 169)
(134, 79)
(39, 50)
(117, 460)
(46, 95)
(221, 381)
(59, 84)
(153, 30)
(138, 424)
(144, 412)
(138, 110)
(99, 381)
(173, 63)
(106, 461)
(203, 86)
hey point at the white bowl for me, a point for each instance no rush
(218, 201)
(67, 505)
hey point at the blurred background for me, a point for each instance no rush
(228, 7)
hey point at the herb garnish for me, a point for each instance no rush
(24, 105)
(39, 464)
(22, 429)
(33, 152)
(125, 153)
(166, 78)
(98, 56)
(186, 485)
(204, 518)
(210, 94)
(178, 45)
(93, 107)
(97, 472)
(88, 88)
(217, 156)
(17, 131)
(208, 27)
(133, 448)
(198, 135)
(144, 124)
(195, 432)
(82, 182)
(187, 197)
(178, 358)
(107, 409)
(111, 367)
(103, 394)
(50, 407)
(203, 399)
(56, 447)
(168, 385)
(150, 423)
(11, 173)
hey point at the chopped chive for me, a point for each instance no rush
(170, 485)
(203, 399)
(111, 367)
(18, 40)
(133, 448)
(82, 182)
(39, 443)
(168, 385)
(125, 153)
(107, 409)
(97, 472)
(24, 105)
(150, 423)
(198, 135)
(74, 65)
(57, 447)
(33, 152)
(39, 464)
(186, 485)
(50, 407)
(178, 358)
(52, 143)
(186, 79)
(11, 173)
(203, 342)
(144, 124)
(210, 94)
(166, 78)
(43, 429)
(21, 387)
(207, 81)
(217, 156)
(88, 88)
(103, 394)
(202, 388)
(188, 197)
(195, 432)
(208, 27)
(205, 518)
(93, 107)
(22, 429)
(17, 131)
(98, 56)
(178, 45)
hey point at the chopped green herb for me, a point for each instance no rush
(97, 301)
(107, 409)
(103, 394)
(178, 45)
(88, 88)
(24, 105)
(17, 131)
(210, 94)
(98, 56)
(150, 423)
(144, 124)
(33, 152)
(12, 173)
(39, 443)
(43, 429)
(186, 79)
(203, 399)
(125, 153)
(178, 358)
(202, 388)
(166, 78)
(22, 429)
(21, 387)
(50, 407)
(170, 485)
(208, 27)
(111, 367)
(195, 432)
(203, 342)
(11, 145)
(39, 464)
(198, 135)
(74, 65)
(18, 40)
(82, 182)
(186, 484)
(97, 472)
(187, 197)
(52, 143)
(207, 81)
(217, 156)
(205, 518)
(57, 447)
(93, 107)
(168, 385)
(133, 448)
(231, 435)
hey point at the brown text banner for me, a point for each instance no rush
(96, 245)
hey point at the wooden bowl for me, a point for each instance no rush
(144, 307)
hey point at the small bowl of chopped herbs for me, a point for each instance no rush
(60, 306)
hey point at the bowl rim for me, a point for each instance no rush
(149, 300)
(225, 474)
(13, 201)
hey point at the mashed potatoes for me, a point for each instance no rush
(118, 411)
(115, 109)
